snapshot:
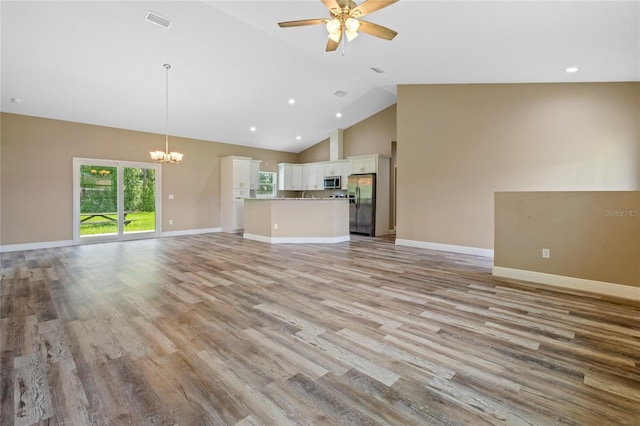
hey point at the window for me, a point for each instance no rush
(266, 185)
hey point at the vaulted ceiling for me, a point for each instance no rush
(233, 68)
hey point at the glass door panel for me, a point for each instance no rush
(139, 215)
(98, 216)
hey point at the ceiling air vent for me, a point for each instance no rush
(158, 20)
(340, 93)
(378, 70)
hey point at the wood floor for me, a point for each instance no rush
(214, 329)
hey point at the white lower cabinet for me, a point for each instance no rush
(237, 215)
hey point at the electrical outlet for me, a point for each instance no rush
(546, 253)
(275, 226)
(170, 221)
(171, 196)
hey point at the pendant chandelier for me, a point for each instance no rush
(166, 156)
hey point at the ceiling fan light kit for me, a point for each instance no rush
(343, 21)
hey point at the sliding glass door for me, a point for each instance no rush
(115, 200)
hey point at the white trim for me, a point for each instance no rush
(297, 240)
(69, 243)
(190, 232)
(36, 246)
(609, 289)
(475, 251)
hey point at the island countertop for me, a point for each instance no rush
(296, 220)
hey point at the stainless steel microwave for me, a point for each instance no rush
(332, 182)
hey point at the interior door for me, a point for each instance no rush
(115, 200)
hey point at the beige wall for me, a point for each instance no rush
(458, 144)
(372, 135)
(590, 235)
(318, 152)
(36, 175)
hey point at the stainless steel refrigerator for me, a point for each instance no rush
(361, 191)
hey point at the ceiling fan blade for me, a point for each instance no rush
(333, 45)
(370, 6)
(377, 30)
(302, 23)
(332, 5)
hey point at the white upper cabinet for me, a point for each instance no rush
(313, 176)
(296, 183)
(364, 164)
(345, 171)
(290, 177)
(241, 173)
(334, 168)
(254, 174)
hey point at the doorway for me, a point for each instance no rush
(115, 200)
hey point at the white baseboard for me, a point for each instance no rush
(600, 287)
(297, 240)
(35, 246)
(190, 232)
(475, 251)
(67, 243)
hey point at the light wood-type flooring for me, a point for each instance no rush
(213, 329)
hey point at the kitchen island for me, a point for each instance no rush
(296, 220)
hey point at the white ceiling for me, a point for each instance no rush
(233, 67)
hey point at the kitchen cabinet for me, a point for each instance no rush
(254, 174)
(238, 176)
(334, 168)
(290, 177)
(345, 171)
(241, 172)
(313, 176)
(364, 164)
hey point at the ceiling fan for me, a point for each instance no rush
(345, 20)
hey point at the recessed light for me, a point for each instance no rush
(252, 128)
(340, 93)
(338, 114)
(572, 69)
(298, 137)
(16, 100)
(292, 101)
(378, 70)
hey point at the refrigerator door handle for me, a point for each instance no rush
(357, 196)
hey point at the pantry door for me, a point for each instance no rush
(115, 200)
